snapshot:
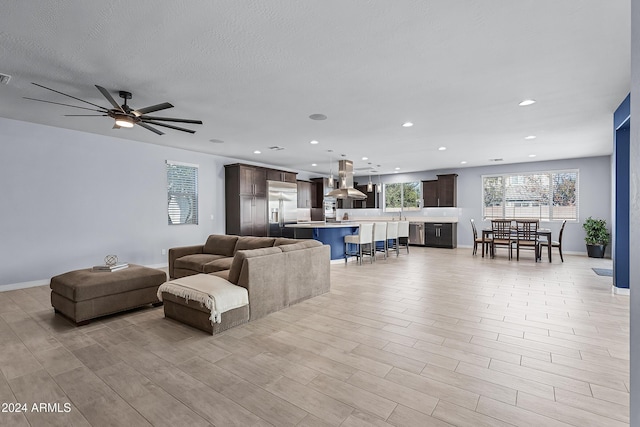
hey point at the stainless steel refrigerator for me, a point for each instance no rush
(283, 208)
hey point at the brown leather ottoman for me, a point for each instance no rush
(82, 295)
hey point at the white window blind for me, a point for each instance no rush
(182, 193)
(547, 196)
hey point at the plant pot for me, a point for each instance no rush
(596, 251)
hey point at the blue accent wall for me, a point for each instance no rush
(621, 144)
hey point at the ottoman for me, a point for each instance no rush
(82, 295)
(204, 301)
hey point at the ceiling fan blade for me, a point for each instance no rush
(66, 105)
(107, 95)
(168, 126)
(86, 115)
(151, 109)
(62, 93)
(171, 119)
(150, 128)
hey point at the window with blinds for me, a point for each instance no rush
(182, 193)
(543, 195)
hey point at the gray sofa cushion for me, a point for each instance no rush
(195, 262)
(300, 245)
(240, 256)
(285, 241)
(246, 243)
(217, 265)
(218, 244)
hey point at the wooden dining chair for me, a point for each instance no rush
(501, 235)
(477, 240)
(554, 243)
(527, 237)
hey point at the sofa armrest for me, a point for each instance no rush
(264, 278)
(175, 253)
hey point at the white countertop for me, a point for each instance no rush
(323, 225)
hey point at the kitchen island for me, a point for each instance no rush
(331, 234)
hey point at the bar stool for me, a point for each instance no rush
(364, 237)
(392, 236)
(403, 234)
(379, 235)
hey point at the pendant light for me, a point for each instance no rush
(330, 182)
(379, 186)
(369, 184)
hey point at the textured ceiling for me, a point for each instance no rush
(254, 71)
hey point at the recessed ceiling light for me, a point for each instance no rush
(395, 172)
(365, 158)
(530, 137)
(318, 117)
(442, 148)
(314, 164)
(407, 124)
(257, 152)
(527, 102)
(314, 142)
(532, 155)
(464, 162)
(397, 169)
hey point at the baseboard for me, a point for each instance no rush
(620, 291)
(34, 283)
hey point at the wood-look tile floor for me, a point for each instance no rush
(434, 338)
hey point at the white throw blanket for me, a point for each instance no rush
(215, 293)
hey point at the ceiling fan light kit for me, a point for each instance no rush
(123, 115)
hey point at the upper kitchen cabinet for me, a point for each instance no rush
(440, 193)
(251, 180)
(276, 175)
(304, 194)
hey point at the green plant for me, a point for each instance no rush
(597, 233)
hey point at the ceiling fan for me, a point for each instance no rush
(124, 115)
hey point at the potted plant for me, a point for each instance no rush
(597, 237)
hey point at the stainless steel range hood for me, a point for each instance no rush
(345, 179)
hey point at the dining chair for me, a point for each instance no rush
(363, 238)
(554, 243)
(403, 234)
(477, 239)
(392, 237)
(379, 239)
(527, 237)
(501, 235)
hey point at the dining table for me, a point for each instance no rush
(542, 232)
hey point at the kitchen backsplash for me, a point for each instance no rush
(410, 215)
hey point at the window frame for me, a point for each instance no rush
(551, 174)
(192, 217)
(402, 207)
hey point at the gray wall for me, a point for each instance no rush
(594, 184)
(69, 198)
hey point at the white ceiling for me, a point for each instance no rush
(254, 71)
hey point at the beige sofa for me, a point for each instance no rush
(276, 275)
(216, 254)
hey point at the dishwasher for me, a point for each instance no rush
(416, 233)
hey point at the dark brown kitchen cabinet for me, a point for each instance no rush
(441, 235)
(304, 194)
(282, 176)
(440, 193)
(246, 200)
(430, 193)
(369, 202)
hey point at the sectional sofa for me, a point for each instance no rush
(276, 272)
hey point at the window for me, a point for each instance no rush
(402, 197)
(182, 193)
(543, 195)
